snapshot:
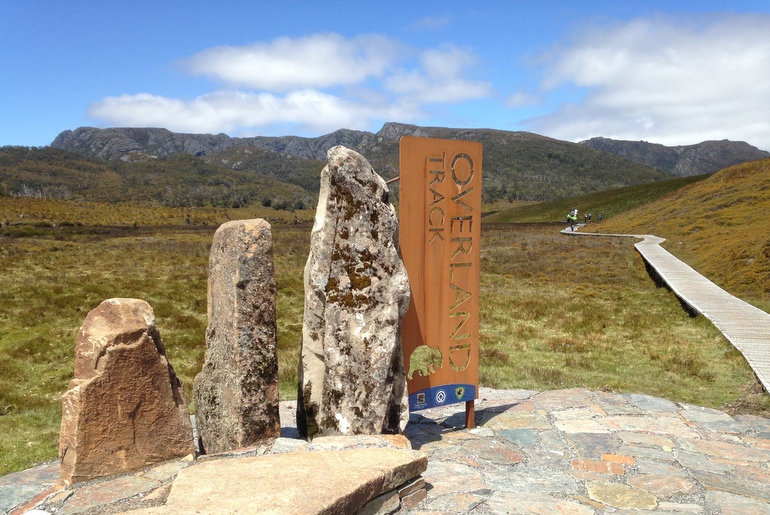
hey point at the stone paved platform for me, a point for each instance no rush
(565, 451)
(582, 452)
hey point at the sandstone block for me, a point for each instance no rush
(320, 483)
(351, 374)
(125, 408)
(236, 392)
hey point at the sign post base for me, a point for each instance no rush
(470, 414)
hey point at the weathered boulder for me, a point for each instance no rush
(236, 392)
(125, 408)
(351, 373)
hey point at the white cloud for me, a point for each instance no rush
(665, 80)
(315, 61)
(314, 84)
(522, 98)
(238, 111)
(440, 78)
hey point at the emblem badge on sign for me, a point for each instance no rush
(459, 392)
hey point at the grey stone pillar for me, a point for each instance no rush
(236, 392)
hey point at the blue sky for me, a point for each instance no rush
(670, 72)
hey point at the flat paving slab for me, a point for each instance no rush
(20, 487)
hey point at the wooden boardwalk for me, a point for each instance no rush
(747, 328)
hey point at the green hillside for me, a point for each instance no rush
(305, 173)
(180, 180)
(718, 226)
(607, 203)
(527, 166)
(517, 165)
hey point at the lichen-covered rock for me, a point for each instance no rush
(125, 408)
(351, 374)
(236, 392)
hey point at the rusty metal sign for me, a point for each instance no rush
(440, 239)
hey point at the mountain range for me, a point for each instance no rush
(683, 160)
(156, 165)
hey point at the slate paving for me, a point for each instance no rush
(570, 451)
(580, 451)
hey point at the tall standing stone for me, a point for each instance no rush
(236, 392)
(125, 408)
(351, 374)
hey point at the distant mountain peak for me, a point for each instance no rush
(682, 160)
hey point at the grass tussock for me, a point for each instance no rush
(557, 312)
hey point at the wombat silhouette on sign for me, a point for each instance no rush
(424, 360)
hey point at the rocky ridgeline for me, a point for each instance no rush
(131, 144)
(683, 160)
(125, 409)
(139, 144)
